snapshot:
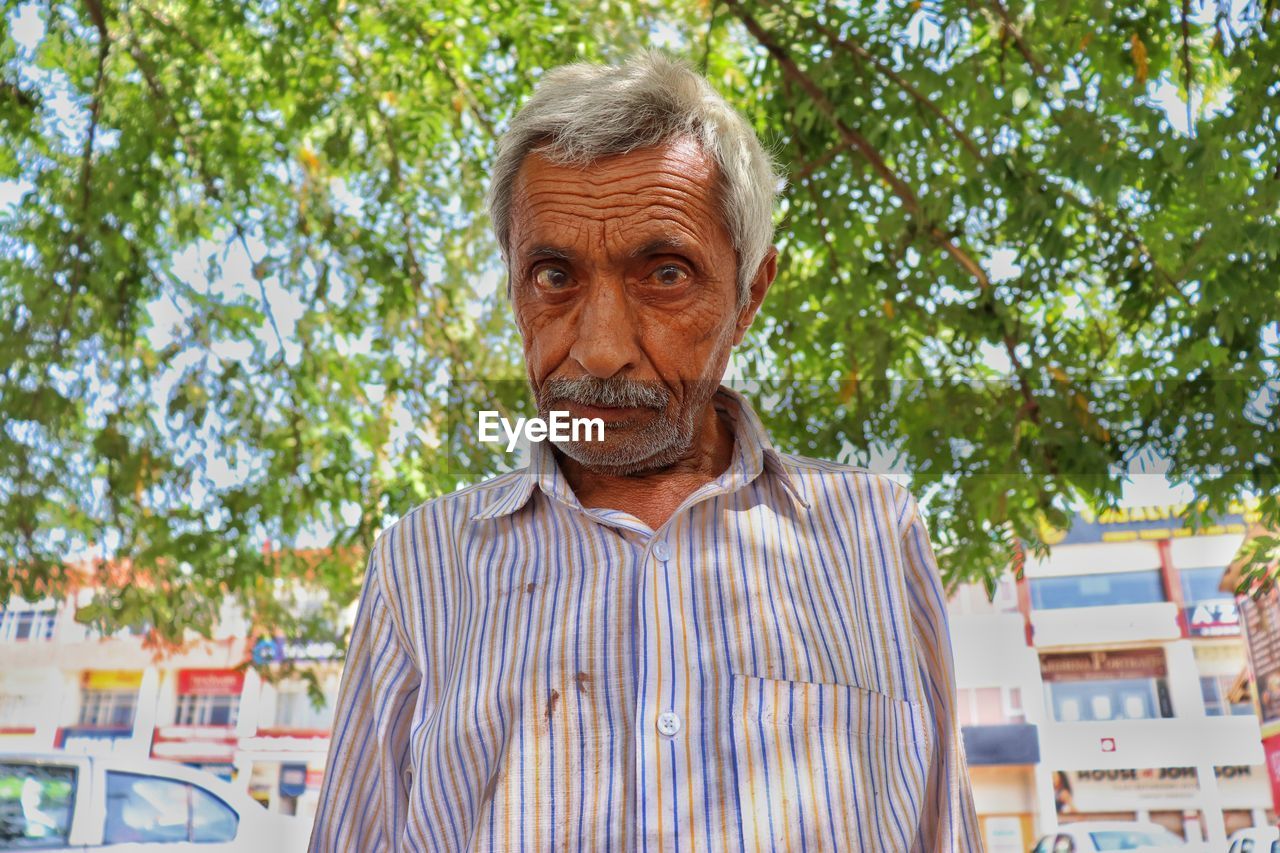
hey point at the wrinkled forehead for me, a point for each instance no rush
(620, 199)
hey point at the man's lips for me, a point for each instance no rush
(605, 413)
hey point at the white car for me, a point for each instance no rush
(1255, 839)
(1093, 836)
(66, 801)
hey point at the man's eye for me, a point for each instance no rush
(670, 275)
(551, 278)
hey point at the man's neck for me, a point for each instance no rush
(654, 496)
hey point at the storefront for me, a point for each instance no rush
(203, 732)
(1170, 796)
(287, 751)
(108, 707)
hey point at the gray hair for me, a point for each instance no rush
(581, 113)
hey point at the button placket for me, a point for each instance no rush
(659, 726)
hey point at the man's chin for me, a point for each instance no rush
(619, 457)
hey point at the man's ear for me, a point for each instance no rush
(755, 297)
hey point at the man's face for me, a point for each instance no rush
(624, 284)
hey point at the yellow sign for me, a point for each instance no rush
(1146, 523)
(112, 679)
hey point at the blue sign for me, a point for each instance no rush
(278, 649)
(293, 780)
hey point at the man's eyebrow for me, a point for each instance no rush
(659, 246)
(544, 252)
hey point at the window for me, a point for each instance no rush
(202, 710)
(972, 598)
(1098, 590)
(211, 818)
(1109, 699)
(990, 706)
(295, 711)
(26, 625)
(19, 709)
(108, 708)
(1202, 584)
(1215, 689)
(1135, 839)
(149, 809)
(36, 803)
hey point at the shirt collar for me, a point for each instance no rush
(752, 454)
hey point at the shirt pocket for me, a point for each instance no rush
(826, 766)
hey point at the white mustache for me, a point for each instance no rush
(606, 393)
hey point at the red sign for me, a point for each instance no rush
(200, 744)
(210, 682)
(1271, 748)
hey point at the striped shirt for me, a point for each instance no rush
(769, 670)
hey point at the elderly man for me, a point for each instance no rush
(676, 637)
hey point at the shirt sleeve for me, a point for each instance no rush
(947, 820)
(364, 797)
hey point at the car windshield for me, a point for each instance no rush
(35, 805)
(1133, 839)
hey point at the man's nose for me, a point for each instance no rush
(605, 342)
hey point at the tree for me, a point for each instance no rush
(248, 285)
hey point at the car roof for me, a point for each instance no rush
(124, 764)
(1105, 825)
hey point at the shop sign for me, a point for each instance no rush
(188, 744)
(1145, 523)
(210, 682)
(287, 740)
(278, 650)
(1216, 618)
(293, 780)
(1271, 749)
(1098, 790)
(1090, 666)
(1260, 619)
(1242, 771)
(111, 679)
(1243, 787)
(91, 738)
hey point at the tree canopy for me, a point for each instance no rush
(247, 284)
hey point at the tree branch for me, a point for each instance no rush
(864, 147)
(81, 239)
(1008, 26)
(1186, 61)
(860, 52)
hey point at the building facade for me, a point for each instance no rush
(62, 687)
(1109, 681)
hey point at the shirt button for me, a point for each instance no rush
(661, 551)
(668, 723)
